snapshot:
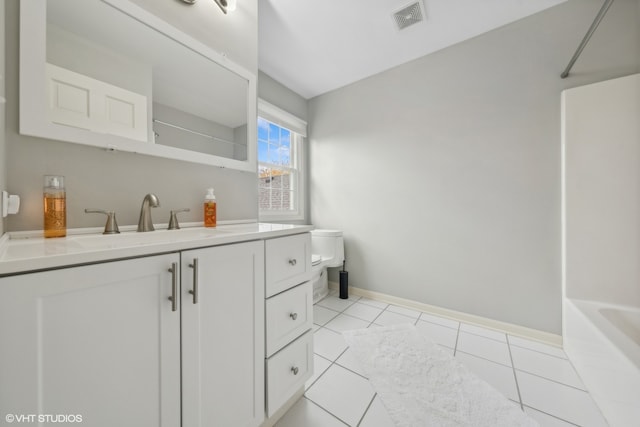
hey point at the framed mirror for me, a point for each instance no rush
(107, 73)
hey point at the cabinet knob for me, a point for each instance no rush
(293, 261)
(294, 369)
(293, 316)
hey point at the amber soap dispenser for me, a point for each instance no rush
(55, 206)
(210, 209)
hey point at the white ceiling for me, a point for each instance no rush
(315, 46)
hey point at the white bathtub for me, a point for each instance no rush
(603, 343)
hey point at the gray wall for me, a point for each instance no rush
(444, 173)
(277, 94)
(119, 181)
(3, 156)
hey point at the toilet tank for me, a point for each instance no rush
(329, 245)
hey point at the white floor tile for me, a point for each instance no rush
(343, 393)
(537, 346)
(335, 303)
(438, 333)
(342, 322)
(404, 311)
(499, 376)
(447, 350)
(338, 393)
(320, 364)
(377, 415)
(559, 400)
(388, 318)
(363, 311)
(484, 347)
(308, 414)
(322, 315)
(328, 344)
(546, 420)
(373, 303)
(349, 361)
(440, 320)
(544, 365)
(483, 332)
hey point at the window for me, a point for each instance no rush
(280, 164)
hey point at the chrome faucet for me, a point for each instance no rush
(145, 223)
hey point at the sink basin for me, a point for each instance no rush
(128, 239)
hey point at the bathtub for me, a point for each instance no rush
(603, 343)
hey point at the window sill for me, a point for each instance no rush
(272, 216)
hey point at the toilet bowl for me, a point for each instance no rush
(327, 248)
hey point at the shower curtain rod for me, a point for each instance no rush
(585, 40)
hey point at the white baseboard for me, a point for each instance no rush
(509, 328)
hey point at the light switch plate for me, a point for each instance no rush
(10, 204)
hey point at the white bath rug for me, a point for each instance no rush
(421, 385)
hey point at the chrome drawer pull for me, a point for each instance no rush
(293, 316)
(174, 286)
(194, 291)
(293, 261)
(294, 369)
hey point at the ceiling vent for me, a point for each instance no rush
(408, 15)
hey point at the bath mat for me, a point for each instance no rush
(421, 385)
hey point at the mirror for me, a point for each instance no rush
(108, 73)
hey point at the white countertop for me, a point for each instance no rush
(21, 252)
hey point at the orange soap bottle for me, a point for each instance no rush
(210, 209)
(55, 207)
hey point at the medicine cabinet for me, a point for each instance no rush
(109, 74)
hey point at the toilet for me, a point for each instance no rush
(327, 248)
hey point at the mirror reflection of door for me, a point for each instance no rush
(141, 84)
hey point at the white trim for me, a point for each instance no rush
(508, 328)
(282, 118)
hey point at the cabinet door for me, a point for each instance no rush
(97, 341)
(223, 336)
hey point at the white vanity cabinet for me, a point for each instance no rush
(223, 335)
(99, 341)
(289, 318)
(106, 342)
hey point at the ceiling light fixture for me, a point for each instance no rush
(224, 5)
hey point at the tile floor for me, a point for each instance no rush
(537, 377)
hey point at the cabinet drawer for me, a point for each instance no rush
(288, 262)
(288, 370)
(288, 315)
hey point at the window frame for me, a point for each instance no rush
(298, 128)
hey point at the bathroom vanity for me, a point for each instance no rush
(161, 328)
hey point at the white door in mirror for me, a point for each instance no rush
(82, 102)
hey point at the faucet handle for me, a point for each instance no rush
(111, 227)
(173, 221)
